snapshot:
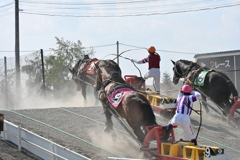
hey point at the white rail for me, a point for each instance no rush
(38, 145)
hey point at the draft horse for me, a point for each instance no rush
(123, 101)
(217, 86)
(84, 74)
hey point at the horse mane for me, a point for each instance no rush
(185, 61)
(75, 68)
(196, 66)
(115, 73)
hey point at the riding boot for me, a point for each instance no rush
(168, 131)
(194, 141)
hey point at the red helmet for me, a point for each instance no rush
(151, 49)
(186, 89)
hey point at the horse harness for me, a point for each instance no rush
(114, 87)
(196, 70)
(193, 64)
(81, 72)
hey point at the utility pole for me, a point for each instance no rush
(117, 53)
(43, 75)
(6, 82)
(17, 57)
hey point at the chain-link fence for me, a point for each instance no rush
(42, 79)
(30, 79)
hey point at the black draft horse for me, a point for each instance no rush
(134, 107)
(84, 74)
(217, 86)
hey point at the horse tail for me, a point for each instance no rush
(232, 89)
(149, 117)
(231, 86)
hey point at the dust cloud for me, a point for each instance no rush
(121, 144)
(39, 101)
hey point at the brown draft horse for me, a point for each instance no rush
(217, 86)
(84, 74)
(134, 107)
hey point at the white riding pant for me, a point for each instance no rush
(155, 73)
(185, 123)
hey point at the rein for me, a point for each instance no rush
(183, 75)
(107, 81)
(127, 59)
(199, 90)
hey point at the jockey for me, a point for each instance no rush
(185, 101)
(153, 60)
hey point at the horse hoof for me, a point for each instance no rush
(106, 130)
(114, 136)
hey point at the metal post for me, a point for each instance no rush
(19, 138)
(235, 72)
(117, 53)
(6, 82)
(43, 75)
(17, 61)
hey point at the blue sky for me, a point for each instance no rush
(184, 33)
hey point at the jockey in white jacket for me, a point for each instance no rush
(153, 60)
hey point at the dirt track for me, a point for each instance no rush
(81, 122)
(9, 151)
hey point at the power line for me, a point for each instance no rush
(93, 3)
(132, 14)
(158, 49)
(100, 46)
(106, 45)
(6, 5)
(115, 44)
(20, 51)
(136, 7)
(12, 7)
(132, 46)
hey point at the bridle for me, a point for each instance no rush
(183, 75)
(109, 79)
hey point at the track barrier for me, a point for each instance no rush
(36, 144)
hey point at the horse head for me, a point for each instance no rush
(181, 69)
(76, 73)
(177, 72)
(107, 70)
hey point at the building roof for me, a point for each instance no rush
(217, 53)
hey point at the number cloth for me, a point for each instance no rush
(200, 78)
(116, 96)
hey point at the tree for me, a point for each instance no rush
(168, 84)
(57, 76)
(58, 79)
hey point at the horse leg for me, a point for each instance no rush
(205, 105)
(84, 88)
(109, 124)
(139, 133)
(136, 126)
(221, 104)
(96, 97)
(227, 106)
